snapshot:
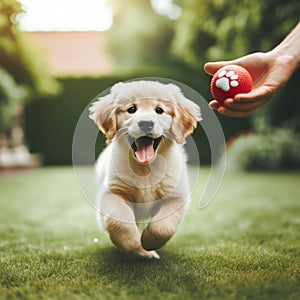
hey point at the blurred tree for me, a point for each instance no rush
(139, 36)
(22, 71)
(212, 30)
(22, 76)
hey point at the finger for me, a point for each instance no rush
(260, 94)
(214, 104)
(242, 106)
(212, 67)
(232, 113)
(233, 105)
(245, 61)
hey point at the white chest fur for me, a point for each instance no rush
(165, 177)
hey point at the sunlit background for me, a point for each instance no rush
(68, 15)
(56, 56)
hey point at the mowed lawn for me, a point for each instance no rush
(244, 245)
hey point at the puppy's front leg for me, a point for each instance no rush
(163, 225)
(119, 221)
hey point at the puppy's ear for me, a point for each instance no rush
(187, 114)
(102, 112)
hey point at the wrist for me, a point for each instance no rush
(289, 49)
(287, 60)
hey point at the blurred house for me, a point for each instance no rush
(74, 53)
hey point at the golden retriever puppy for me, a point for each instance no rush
(142, 173)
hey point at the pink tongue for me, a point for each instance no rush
(145, 150)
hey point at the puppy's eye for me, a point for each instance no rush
(159, 110)
(131, 109)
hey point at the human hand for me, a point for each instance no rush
(269, 72)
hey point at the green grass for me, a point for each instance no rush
(244, 245)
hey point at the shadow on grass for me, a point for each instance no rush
(168, 274)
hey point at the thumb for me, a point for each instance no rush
(212, 67)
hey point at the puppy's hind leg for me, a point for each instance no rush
(119, 221)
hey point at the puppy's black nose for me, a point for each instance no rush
(146, 125)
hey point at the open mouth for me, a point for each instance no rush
(144, 148)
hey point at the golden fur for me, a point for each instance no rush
(142, 173)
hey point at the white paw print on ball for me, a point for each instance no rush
(227, 79)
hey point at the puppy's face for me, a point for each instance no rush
(145, 120)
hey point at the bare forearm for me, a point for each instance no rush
(289, 48)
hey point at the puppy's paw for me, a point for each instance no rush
(153, 254)
(147, 254)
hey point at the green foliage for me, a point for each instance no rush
(18, 56)
(212, 30)
(244, 245)
(284, 109)
(275, 141)
(274, 149)
(22, 68)
(139, 36)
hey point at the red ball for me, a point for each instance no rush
(230, 81)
